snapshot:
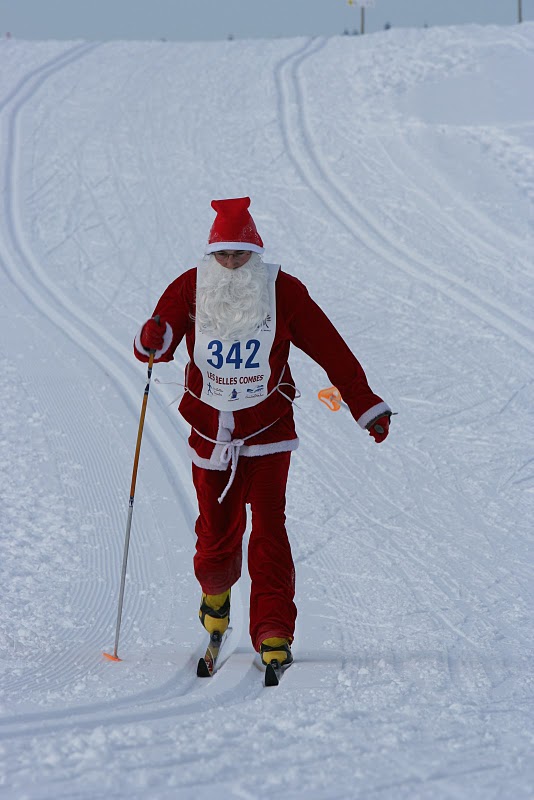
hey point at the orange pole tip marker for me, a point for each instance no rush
(111, 657)
(331, 397)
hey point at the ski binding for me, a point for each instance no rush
(208, 664)
(274, 671)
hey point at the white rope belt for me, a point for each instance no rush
(230, 453)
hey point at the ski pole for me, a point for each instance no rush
(114, 656)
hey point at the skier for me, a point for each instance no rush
(239, 317)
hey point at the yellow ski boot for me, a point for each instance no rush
(214, 612)
(276, 649)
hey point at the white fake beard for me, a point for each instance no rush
(232, 303)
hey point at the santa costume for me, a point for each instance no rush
(238, 400)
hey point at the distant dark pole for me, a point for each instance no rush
(362, 19)
(520, 10)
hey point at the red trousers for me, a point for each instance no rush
(260, 481)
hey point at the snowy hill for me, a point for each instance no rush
(392, 173)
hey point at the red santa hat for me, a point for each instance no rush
(233, 227)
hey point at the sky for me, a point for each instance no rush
(219, 19)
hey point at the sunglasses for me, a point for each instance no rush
(226, 254)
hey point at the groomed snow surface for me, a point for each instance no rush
(394, 174)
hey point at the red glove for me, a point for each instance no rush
(152, 334)
(379, 428)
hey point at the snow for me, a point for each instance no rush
(394, 174)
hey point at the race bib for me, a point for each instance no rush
(235, 373)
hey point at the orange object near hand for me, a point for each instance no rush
(331, 397)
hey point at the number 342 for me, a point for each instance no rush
(218, 357)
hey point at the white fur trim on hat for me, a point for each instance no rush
(214, 247)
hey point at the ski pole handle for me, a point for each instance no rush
(156, 319)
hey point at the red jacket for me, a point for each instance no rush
(299, 321)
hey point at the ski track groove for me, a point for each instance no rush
(315, 173)
(43, 71)
(446, 602)
(96, 596)
(385, 559)
(194, 696)
(23, 269)
(457, 200)
(449, 224)
(58, 308)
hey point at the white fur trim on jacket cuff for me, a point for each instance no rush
(376, 411)
(167, 341)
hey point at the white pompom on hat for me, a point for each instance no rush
(233, 227)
